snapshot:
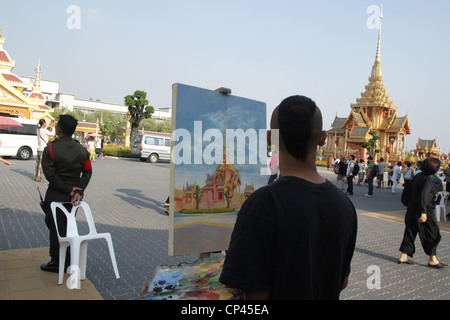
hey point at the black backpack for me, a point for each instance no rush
(374, 171)
(355, 169)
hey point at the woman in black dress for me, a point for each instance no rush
(420, 216)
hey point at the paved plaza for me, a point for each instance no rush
(126, 197)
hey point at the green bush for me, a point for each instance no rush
(118, 151)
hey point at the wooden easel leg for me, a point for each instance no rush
(204, 255)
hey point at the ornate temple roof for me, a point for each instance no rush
(12, 99)
(338, 125)
(36, 94)
(4, 56)
(6, 66)
(374, 110)
(375, 93)
(426, 148)
(5, 60)
(399, 123)
(12, 78)
(422, 144)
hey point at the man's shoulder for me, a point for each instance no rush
(71, 144)
(260, 193)
(62, 141)
(287, 185)
(266, 195)
(267, 199)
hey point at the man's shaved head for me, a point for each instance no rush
(299, 121)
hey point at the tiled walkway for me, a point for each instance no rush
(127, 196)
(22, 279)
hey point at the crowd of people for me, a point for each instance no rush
(422, 183)
(387, 175)
(95, 148)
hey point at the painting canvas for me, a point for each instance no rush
(219, 151)
(198, 280)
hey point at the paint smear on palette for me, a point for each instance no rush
(198, 280)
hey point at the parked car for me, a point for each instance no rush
(151, 147)
(20, 142)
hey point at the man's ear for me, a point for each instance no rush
(323, 138)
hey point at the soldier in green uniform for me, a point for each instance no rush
(67, 168)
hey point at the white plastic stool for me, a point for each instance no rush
(441, 207)
(77, 243)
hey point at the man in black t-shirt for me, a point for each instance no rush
(295, 238)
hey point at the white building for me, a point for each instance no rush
(162, 114)
(56, 99)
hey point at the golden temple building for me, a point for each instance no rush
(373, 111)
(13, 102)
(427, 148)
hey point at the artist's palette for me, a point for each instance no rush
(198, 280)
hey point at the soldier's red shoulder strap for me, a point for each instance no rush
(50, 149)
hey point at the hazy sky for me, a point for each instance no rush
(262, 49)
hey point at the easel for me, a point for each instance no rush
(204, 255)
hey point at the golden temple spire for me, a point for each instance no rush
(37, 80)
(377, 70)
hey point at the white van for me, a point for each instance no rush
(20, 142)
(151, 147)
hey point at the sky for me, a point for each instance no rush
(264, 50)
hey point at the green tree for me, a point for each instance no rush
(139, 109)
(198, 195)
(228, 196)
(371, 145)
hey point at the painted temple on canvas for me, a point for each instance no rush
(206, 197)
(221, 190)
(373, 111)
